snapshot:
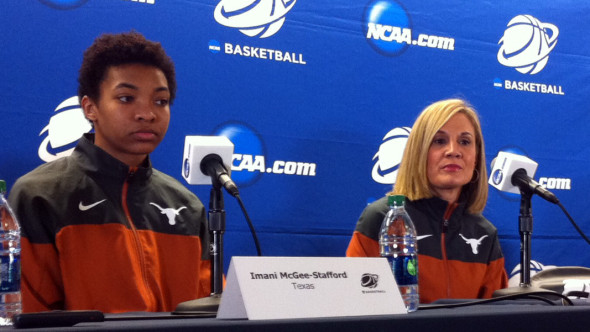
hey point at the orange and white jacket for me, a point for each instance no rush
(459, 254)
(100, 235)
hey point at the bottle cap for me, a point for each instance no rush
(2, 187)
(396, 199)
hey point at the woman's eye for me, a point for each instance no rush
(439, 141)
(465, 142)
(162, 102)
(125, 99)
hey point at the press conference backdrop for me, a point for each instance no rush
(318, 98)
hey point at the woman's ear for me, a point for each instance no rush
(89, 107)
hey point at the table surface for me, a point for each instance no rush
(512, 316)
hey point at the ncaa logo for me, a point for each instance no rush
(214, 46)
(248, 144)
(498, 84)
(526, 44)
(497, 176)
(249, 160)
(389, 156)
(392, 15)
(64, 129)
(64, 4)
(186, 165)
(254, 18)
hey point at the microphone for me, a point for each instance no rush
(207, 160)
(510, 173)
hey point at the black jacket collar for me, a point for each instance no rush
(98, 162)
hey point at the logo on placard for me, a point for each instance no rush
(63, 4)
(389, 157)
(526, 44)
(63, 131)
(387, 27)
(249, 161)
(369, 280)
(254, 18)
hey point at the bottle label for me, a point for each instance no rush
(9, 273)
(405, 269)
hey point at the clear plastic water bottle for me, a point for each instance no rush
(10, 295)
(397, 242)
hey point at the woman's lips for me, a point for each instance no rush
(145, 135)
(452, 168)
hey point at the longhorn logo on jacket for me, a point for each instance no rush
(474, 243)
(169, 212)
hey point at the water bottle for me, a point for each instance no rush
(397, 242)
(10, 295)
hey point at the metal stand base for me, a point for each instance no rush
(525, 290)
(205, 305)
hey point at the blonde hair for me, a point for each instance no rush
(412, 179)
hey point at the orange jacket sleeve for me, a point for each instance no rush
(362, 246)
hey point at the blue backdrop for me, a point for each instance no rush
(316, 96)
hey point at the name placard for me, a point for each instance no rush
(305, 287)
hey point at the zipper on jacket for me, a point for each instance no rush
(140, 253)
(445, 226)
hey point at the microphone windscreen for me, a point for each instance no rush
(504, 166)
(196, 148)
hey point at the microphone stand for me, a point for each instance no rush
(216, 229)
(209, 305)
(525, 222)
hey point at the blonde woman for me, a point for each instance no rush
(444, 178)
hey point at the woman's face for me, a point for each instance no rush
(452, 157)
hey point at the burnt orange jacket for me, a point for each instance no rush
(459, 254)
(100, 235)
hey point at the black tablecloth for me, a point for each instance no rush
(480, 318)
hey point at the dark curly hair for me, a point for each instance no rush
(120, 49)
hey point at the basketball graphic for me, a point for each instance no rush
(63, 131)
(526, 44)
(389, 156)
(254, 18)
